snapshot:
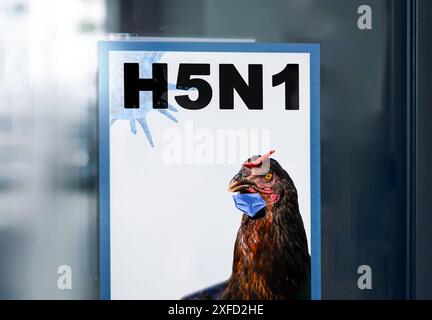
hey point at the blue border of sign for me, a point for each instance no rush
(103, 134)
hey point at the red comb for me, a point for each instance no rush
(258, 162)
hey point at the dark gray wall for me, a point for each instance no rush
(365, 108)
(424, 153)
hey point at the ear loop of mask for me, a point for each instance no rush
(269, 204)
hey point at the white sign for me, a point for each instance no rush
(180, 124)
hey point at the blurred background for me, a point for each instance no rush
(48, 133)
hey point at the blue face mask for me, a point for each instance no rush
(249, 203)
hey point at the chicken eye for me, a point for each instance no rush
(268, 177)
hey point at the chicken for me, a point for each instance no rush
(271, 258)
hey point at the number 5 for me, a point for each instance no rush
(184, 82)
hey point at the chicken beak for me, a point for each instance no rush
(234, 184)
(238, 183)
